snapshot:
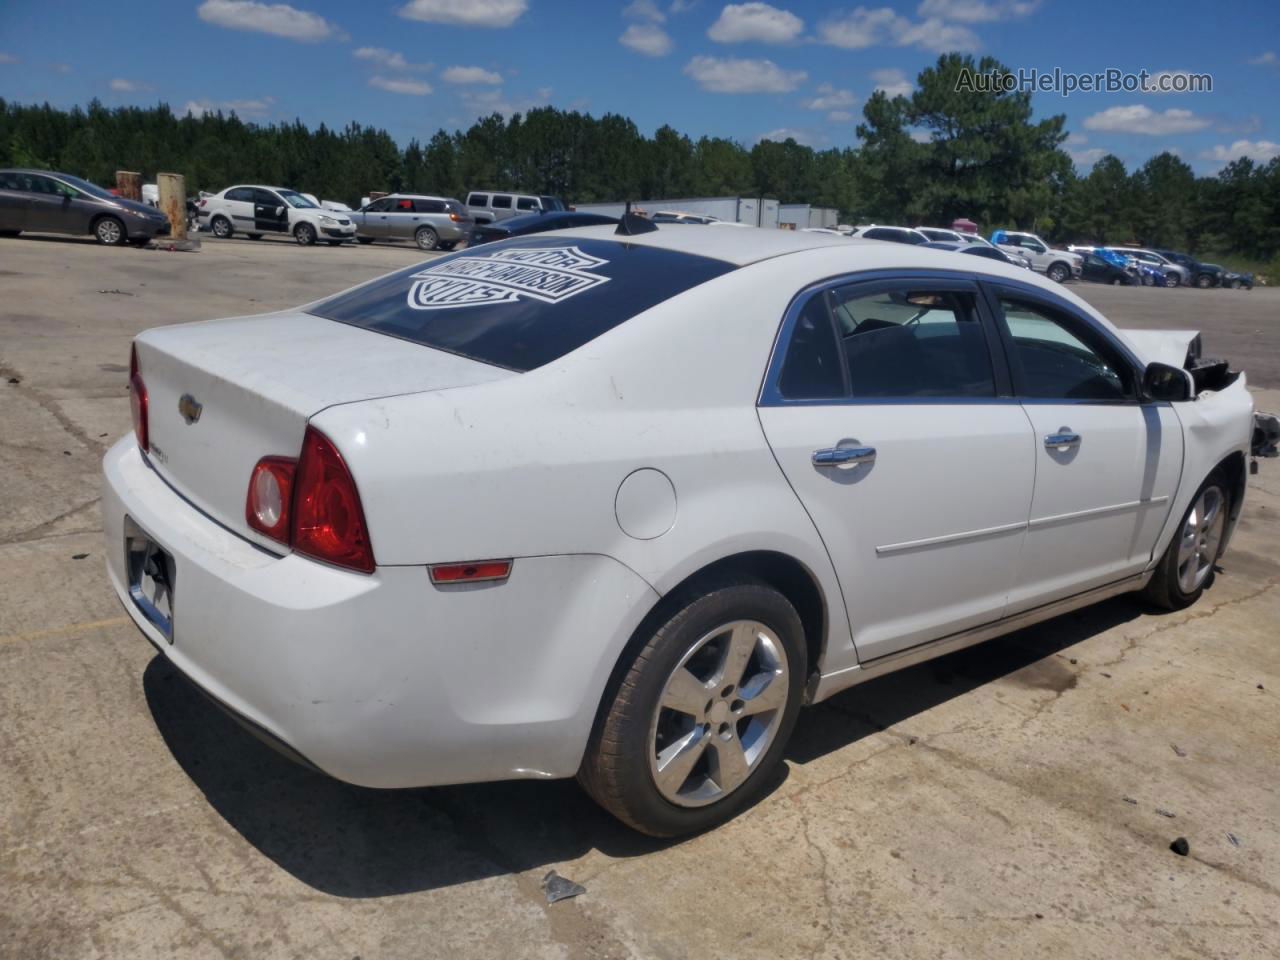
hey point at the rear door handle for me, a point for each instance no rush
(1057, 441)
(843, 456)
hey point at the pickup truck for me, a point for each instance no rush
(1057, 265)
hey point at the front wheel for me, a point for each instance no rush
(1172, 280)
(1058, 272)
(110, 232)
(1116, 282)
(426, 238)
(305, 234)
(697, 724)
(1204, 281)
(1187, 568)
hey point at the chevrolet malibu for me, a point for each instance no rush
(616, 503)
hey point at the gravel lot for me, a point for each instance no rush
(1002, 802)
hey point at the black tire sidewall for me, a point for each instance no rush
(305, 234)
(1164, 587)
(213, 228)
(426, 232)
(97, 226)
(629, 724)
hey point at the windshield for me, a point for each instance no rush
(297, 200)
(522, 302)
(552, 203)
(86, 187)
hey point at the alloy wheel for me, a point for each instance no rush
(1200, 540)
(719, 712)
(109, 232)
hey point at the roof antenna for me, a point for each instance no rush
(632, 223)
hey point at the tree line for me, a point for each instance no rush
(925, 158)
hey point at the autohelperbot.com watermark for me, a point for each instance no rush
(1066, 82)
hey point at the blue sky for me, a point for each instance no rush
(737, 70)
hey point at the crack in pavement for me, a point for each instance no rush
(53, 408)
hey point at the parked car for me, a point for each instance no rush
(536, 223)
(873, 231)
(1202, 275)
(980, 250)
(941, 235)
(430, 222)
(1097, 269)
(487, 206)
(679, 216)
(1175, 274)
(1057, 265)
(589, 504)
(42, 201)
(256, 210)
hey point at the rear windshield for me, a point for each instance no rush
(522, 302)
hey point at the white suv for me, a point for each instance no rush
(1057, 265)
(254, 210)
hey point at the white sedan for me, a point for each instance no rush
(617, 506)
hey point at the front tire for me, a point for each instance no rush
(1172, 280)
(1204, 281)
(1187, 568)
(1058, 272)
(426, 238)
(305, 234)
(110, 232)
(697, 724)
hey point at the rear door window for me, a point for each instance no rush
(523, 302)
(501, 202)
(526, 203)
(429, 206)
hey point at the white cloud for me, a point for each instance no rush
(647, 38)
(893, 82)
(879, 26)
(243, 108)
(829, 98)
(8, 58)
(1259, 151)
(470, 75)
(839, 116)
(1142, 119)
(390, 59)
(121, 85)
(485, 102)
(731, 75)
(278, 19)
(758, 22)
(1265, 59)
(802, 137)
(1076, 139)
(1087, 158)
(415, 88)
(977, 11)
(466, 13)
(644, 10)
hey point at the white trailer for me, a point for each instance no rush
(753, 211)
(798, 216)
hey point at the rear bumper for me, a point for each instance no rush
(381, 680)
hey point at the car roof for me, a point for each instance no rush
(739, 247)
(418, 196)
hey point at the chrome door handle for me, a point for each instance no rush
(843, 456)
(1056, 441)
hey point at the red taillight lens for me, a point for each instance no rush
(328, 520)
(138, 402)
(203, 202)
(267, 508)
(455, 218)
(470, 572)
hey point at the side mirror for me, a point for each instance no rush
(1162, 381)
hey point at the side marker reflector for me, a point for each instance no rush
(476, 572)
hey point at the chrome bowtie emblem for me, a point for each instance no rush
(190, 408)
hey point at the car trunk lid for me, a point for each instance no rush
(225, 393)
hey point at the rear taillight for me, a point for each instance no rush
(268, 505)
(203, 202)
(455, 218)
(328, 520)
(138, 402)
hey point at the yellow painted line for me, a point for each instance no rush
(59, 631)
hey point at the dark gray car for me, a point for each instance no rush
(42, 201)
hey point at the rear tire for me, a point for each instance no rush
(426, 238)
(1187, 568)
(1172, 280)
(334, 243)
(1204, 281)
(667, 762)
(364, 240)
(9, 233)
(305, 234)
(221, 228)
